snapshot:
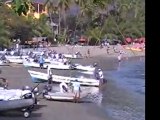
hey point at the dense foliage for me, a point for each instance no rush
(16, 26)
(96, 19)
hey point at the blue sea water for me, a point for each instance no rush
(130, 75)
(130, 79)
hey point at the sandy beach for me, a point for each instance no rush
(18, 76)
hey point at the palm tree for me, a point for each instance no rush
(52, 9)
(96, 34)
(4, 35)
(60, 6)
(63, 6)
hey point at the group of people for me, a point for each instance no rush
(58, 57)
(64, 88)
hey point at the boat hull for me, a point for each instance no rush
(38, 76)
(16, 104)
(69, 96)
(52, 66)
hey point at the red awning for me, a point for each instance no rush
(128, 40)
(82, 40)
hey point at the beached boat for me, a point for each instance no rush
(33, 64)
(15, 60)
(17, 99)
(53, 65)
(85, 68)
(15, 57)
(73, 56)
(43, 77)
(2, 63)
(87, 72)
(69, 96)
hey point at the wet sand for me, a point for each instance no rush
(54, 110)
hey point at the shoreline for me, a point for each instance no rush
(94, 50)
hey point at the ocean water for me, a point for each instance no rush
(130, 75)
(127, 102)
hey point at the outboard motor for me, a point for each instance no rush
(35, 91)
(60, 56)
(47, 88)
(72, 66)
(95, 65)
(3, 57)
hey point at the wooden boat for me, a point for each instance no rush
(43, 77)
(2, 63)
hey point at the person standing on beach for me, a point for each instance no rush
(108, 47)
(41, 61)
(88, 52)
(49, 72)
(76, 90)
(119, 57)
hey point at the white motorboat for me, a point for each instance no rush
(60, 65)
(87, 72)
(53, 65)
(2, 63)
(33, 64)
(73, 56)
(15, 57)
(15, 60)
(51, 60)
(84, 68)
(43, 77)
